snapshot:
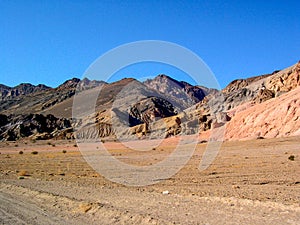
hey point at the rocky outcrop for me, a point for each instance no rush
(263, 95)
(95, 131)
(173, 126)
(35, 126)
(285, 80)
(239, 84)
(278, 117)
(149, 110)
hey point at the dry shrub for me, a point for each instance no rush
(291, 157)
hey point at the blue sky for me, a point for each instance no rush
(51, 41)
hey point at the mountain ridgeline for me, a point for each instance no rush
(158, 108)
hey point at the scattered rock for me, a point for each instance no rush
(85, 207)
(165, 192)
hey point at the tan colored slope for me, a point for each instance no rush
(277, 117)
(104, 101)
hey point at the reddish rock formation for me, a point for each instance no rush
(277, 117)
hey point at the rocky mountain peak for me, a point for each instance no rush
(165, 79)
(21, 89)
(71, 83)
(85, 84)
(27, 88)
(173, 89)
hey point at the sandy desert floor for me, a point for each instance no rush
(250, 182)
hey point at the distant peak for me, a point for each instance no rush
(24, 85)
(73, 80)
(29, 85)
(71, 83)
(42, 86)
(164, 76)
(85, 79)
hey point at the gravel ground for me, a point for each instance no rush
(250, 182)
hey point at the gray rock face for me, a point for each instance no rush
(149, 110)
(181, 92)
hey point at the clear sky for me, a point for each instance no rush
(51, 41)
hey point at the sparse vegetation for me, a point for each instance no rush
(291, 157)
(49, 143)
(64, 151)
(21, 152)
(74, 145)
(53, 145)
(16, 145)
(34, 152)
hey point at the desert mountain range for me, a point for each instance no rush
(265, 106)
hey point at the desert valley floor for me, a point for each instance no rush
(250, 182)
